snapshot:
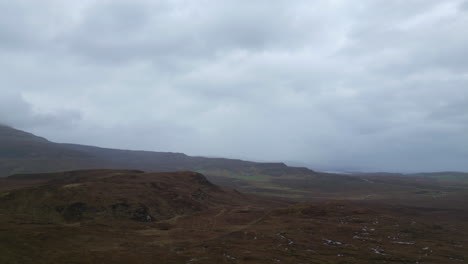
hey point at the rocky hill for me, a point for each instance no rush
(111, 194)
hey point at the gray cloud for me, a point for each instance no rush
(15, 111)
(379, 85)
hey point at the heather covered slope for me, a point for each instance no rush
(16, 144)
(128, 216)
(111, 194)
(24, 152)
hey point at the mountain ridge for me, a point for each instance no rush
(23, 152)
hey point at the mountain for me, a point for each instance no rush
(22, 152)
(16, 144)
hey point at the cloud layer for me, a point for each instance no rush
(374, 85)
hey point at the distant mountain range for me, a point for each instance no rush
(22, 152)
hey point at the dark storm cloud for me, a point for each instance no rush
(374, 85)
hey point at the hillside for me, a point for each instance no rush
(16, 144)
(129, 216)
(112, 194)
(22, 152)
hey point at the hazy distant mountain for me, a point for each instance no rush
(22, 152)
(16, 144)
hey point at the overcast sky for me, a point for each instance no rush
(364, 85)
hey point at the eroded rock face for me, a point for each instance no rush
(201, 179)
(141, 214)
(120, 210)
(73, 212)
(200, 195)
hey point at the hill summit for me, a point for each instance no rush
(86, 195)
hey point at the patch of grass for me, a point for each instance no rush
(73, 185)
(282, 195)
(149, 232)
(259, 184)
(240, 175)
(432, 193)
(282, 188)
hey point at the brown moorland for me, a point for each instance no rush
(129, 216)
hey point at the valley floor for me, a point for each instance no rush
(302, 233)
